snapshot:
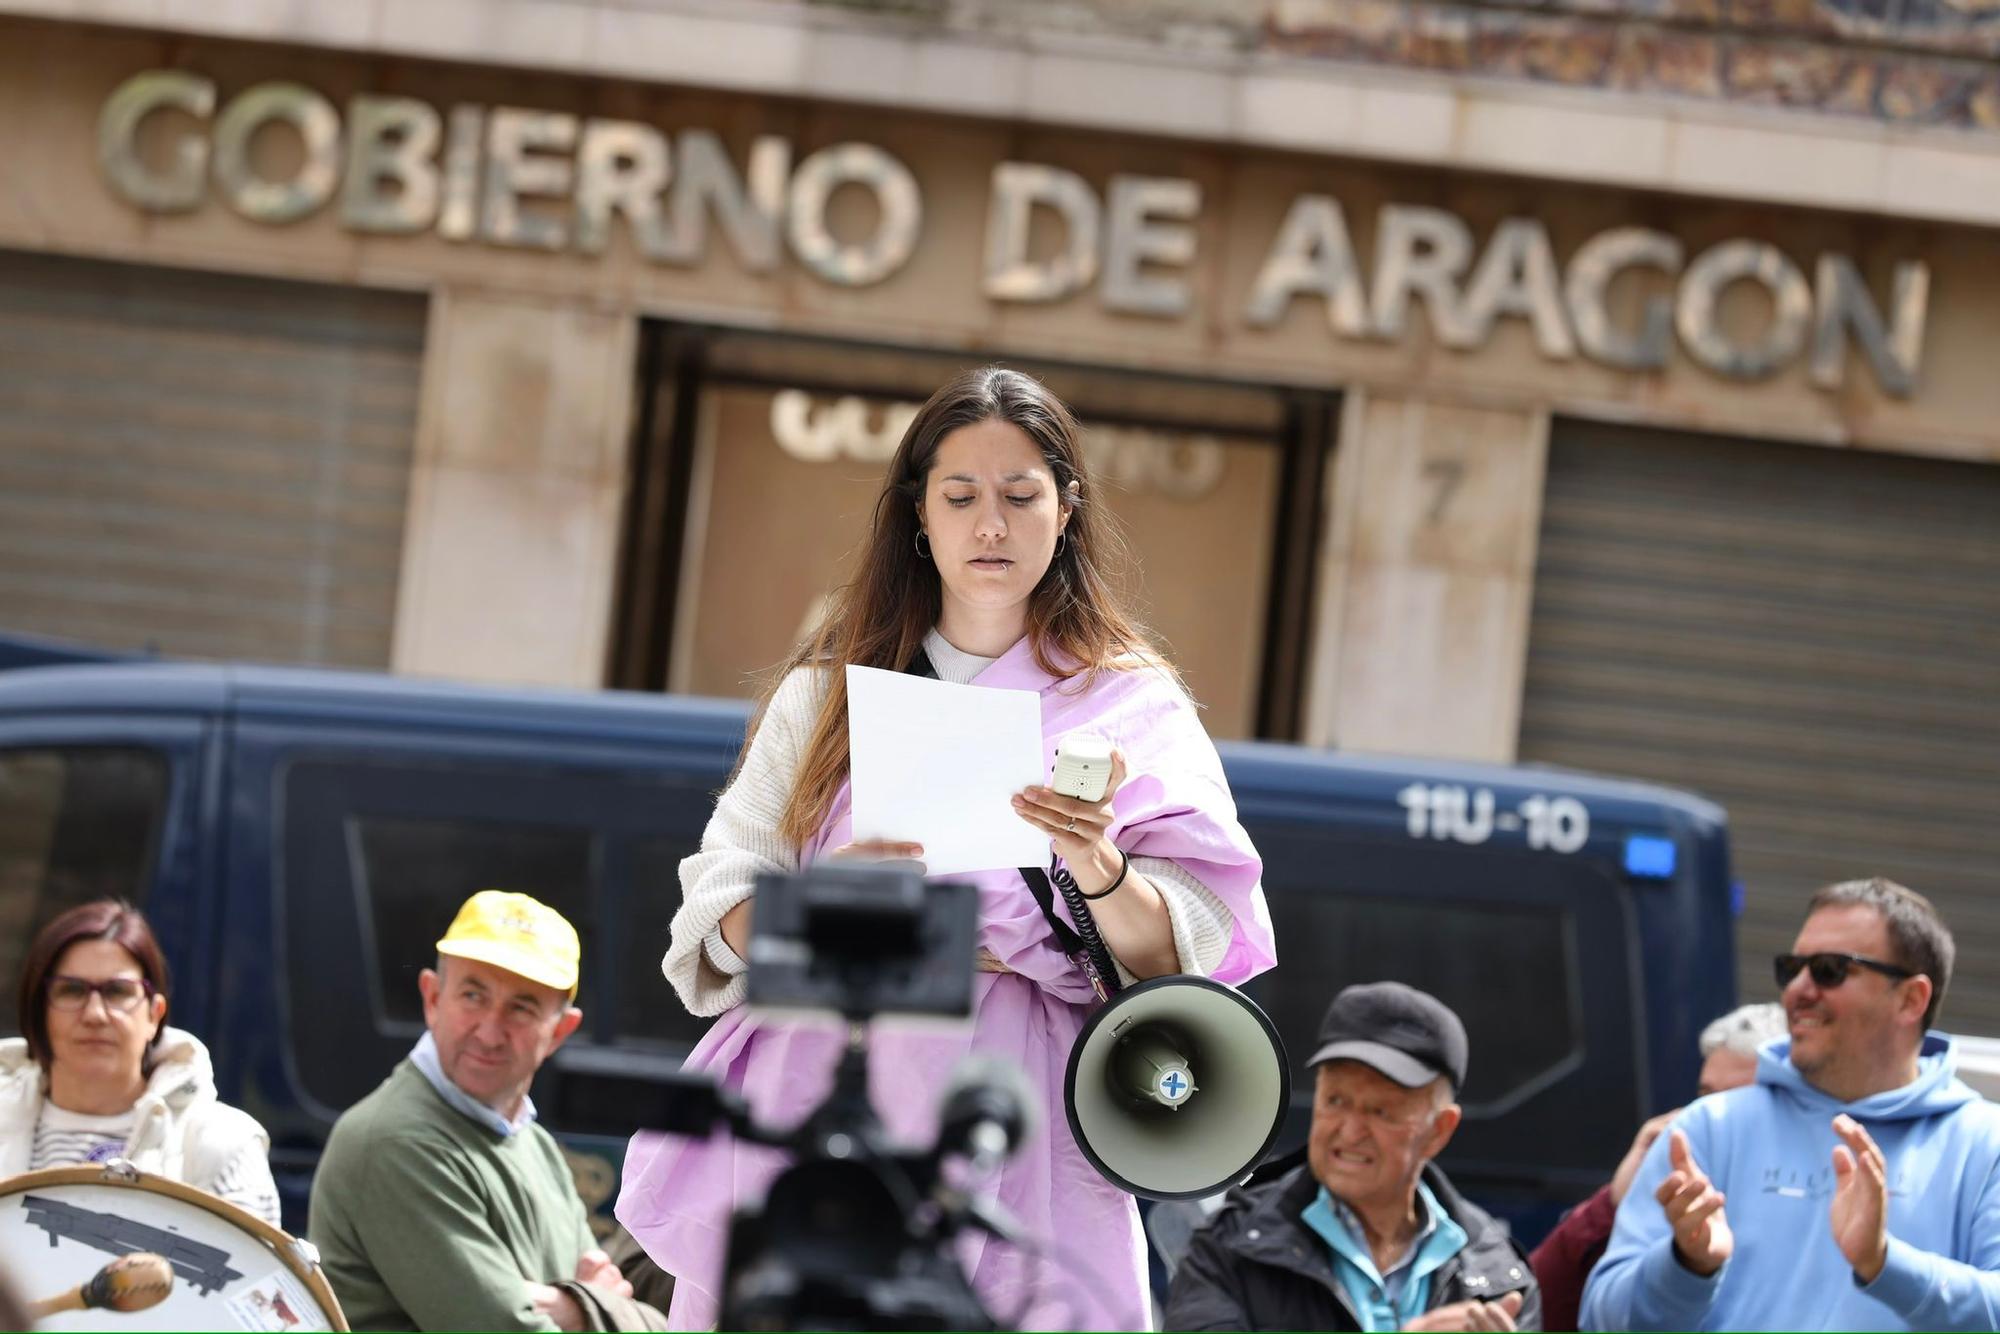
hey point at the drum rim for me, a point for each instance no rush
(276, 1239)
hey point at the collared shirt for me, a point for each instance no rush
(1391, 1300)
(424, 1056)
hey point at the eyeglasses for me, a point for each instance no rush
(1830, 970)
(121, 994)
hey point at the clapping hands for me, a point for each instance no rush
(1497, 1314)
(1859, 1212)
(1703, 1242)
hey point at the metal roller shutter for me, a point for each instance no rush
(215, 466)
(1809, 636)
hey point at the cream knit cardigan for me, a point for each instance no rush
(742, 841)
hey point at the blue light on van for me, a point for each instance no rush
(1649, 858)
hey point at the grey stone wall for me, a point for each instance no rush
(1926, 62)
(1907, 61)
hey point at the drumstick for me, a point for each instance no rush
(129, 1283)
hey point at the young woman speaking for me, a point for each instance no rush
(986, 556)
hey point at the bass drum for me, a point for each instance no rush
(232, 1270)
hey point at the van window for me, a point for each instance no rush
(414, 874)
(1533, 952)
(1492, 964)
(76, 823)
(647, 1006)
(378, 855)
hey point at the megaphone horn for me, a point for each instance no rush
(1177, 1088)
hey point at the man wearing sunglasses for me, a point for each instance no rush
(1854, 1185)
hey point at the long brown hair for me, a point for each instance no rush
(1075, 623)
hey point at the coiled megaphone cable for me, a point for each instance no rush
(1086, 928)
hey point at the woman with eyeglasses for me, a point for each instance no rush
(99, 1075)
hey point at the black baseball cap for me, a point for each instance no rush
(1409, 1035)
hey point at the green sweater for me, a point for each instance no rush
(426, 1219)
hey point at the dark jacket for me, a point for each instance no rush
(1257, 1265)
(1568, 1254)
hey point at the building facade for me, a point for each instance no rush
(1608, 385)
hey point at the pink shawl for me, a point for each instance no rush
(678, 1194)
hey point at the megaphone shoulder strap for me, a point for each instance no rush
(1082, 942)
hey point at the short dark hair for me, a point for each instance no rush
(103, 919)
(1918, 936)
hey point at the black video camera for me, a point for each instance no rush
(857, 1233)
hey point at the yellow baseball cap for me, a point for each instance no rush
(520, 934)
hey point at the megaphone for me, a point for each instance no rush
(1177, 1087)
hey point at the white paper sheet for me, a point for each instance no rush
(937, 764)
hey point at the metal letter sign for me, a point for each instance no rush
(545, 180)
(178, 189)
(1599, 260)
(1184, 468)
(1421, 251)
(900, 205)
(521, 159)
(318, 128)
(1844, 304)
(1312, 254)
(1138, 234)
(750, 207)
(1695, 312)
(1018, 187)
(621, 167)
(391, 139)
(1517, 276)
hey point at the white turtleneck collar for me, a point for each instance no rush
(953, 664)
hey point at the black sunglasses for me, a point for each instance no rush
(1830, 970)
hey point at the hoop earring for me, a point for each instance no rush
(922, 543)
(1062, 544)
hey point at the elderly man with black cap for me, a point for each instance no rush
(1365, 1233)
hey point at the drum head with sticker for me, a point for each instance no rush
(231, 1270)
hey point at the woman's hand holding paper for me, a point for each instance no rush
(735, 924)
(878, 850)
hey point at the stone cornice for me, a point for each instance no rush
(1119, 84)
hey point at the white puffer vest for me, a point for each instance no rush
(181, 1132)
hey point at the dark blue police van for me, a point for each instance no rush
(300, 839)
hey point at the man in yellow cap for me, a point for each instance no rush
(439, 1203)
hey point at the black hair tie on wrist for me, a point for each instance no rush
(1124, 865)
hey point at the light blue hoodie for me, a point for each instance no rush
(1769, 1147)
